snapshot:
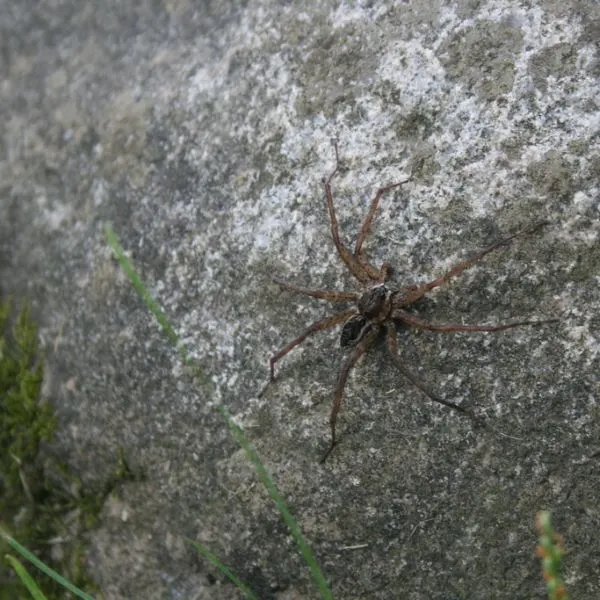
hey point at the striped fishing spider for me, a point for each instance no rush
(379, 310)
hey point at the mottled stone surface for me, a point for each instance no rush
(201, 133)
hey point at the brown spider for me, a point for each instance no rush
(379, 309)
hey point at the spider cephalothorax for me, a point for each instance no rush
(376, 303)
(379, 310)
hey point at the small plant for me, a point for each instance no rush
(25, 423)
(37, 491)
(551, 551)
(27, 580)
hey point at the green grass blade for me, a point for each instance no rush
(34, 560)
(287, 516)
(139, 286)
(25, 577)
(265, 478)
(208, 555)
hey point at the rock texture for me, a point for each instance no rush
(201, 132)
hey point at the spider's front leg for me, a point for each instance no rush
(356, 262)
(383, 274)
(355, 267)
(365, 342)
(417, 292)
(413, 321)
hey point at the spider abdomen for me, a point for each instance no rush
(353, 330)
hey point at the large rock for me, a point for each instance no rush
(202, 134)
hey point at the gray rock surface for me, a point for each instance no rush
(201, 132)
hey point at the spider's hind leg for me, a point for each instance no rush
(365, 342)
(392, 345)
(325, 323)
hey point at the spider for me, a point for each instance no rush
(379, 310)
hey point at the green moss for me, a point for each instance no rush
(24, 421)
(42, 505)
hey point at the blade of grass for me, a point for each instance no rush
(287, 516)
(139, 286)
(208, 555)
(265, 478)
(25, 577)
(34, 560)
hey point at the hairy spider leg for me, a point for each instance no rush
(355, 267)
(383, 274)
(322, 294)
(392, 345)
(356, 263)
(413, 321)
(363, 345)
(326, 323)
(421, 290)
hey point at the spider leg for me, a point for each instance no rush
(325, 323)
(421, 290)
(361, 347)
(322, 294)
(354, 265)
(392, 344)
(410, 319)
(382, 274)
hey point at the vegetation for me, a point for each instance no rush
(37, 513)
(42, 505)
(551, 551)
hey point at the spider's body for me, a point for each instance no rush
(379, 309)
(373, 308)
